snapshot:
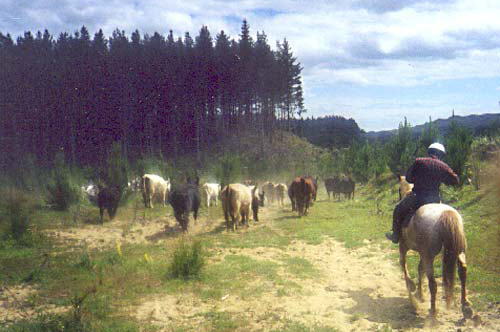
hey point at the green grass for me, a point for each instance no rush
(223, 321)
(300, 267)
(340, 220)
(238, 275)
(294, 326)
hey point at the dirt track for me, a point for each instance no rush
(359, 290)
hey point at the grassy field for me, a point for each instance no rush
(101, 286)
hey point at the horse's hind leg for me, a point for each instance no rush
(420, 294)
(410, 285)
(462, 273)
(429, 271)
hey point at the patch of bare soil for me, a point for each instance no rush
(358, 290)
(15, 304)
(126, 231)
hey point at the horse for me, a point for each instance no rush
(432, 227)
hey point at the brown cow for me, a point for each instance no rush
(315, 183)
(301, 194)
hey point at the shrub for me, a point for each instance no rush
(401, 150)
(28, 176)
(228, 169)
(48, 323)
(326, 164)
(62, 192)
(430, 134)
(115, 174)
(114, 181)
(187, 262)
(17, 208)
(459, 142)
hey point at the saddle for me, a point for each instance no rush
(406, 220)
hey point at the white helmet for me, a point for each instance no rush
(436, 149)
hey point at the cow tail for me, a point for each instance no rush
(228, 200)
(146, 187)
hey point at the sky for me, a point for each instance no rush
(376, 61)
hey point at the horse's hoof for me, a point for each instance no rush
(477, 320)
(467, 311)
(432, 322)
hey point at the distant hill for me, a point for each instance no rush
(479, 124)
(329, 131)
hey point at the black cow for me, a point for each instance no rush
(301, 193)
(340, 185)
(184, 199)
(108, 198)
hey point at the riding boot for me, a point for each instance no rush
(396, 227)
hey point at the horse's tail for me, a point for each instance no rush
(454, 244)
(228, 201)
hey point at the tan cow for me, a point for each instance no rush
(237, 199)
(404, 187)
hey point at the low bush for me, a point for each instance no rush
(62, 191)
(187, 261)
(47, 323)
(17, 210)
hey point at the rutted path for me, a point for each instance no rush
(359, 290)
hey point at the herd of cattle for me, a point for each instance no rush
(237, 199)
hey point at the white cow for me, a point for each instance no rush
(269, 191)
(211, 191)
(153, 185)
(280, 191)
(91, 191)
(135, 184)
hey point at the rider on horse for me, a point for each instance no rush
(426, 174)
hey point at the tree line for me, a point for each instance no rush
(328, 131)
(365, 159)
(156, 95)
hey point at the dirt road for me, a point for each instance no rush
(357, 289)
